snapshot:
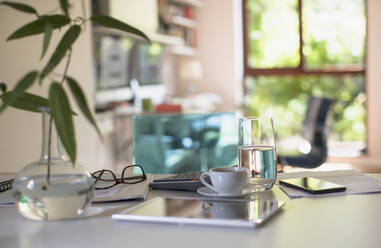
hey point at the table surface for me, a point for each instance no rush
(332, 221)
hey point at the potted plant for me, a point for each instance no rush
(53, 187)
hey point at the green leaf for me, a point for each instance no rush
(47, 38)
(61, 113)
(110, 22)
(20, 87)
(38, 26)
(80, 98)
(65, 44)
(64, 6)
(3, 87)
(21, 7)
(26, 101)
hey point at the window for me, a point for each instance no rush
(298, 48)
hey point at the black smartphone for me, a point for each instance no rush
(313, 185)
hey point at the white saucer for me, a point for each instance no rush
(209, 192)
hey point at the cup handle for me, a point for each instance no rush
(202, 179)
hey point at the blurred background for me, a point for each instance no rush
(250, 57)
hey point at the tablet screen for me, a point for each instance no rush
(190, 211)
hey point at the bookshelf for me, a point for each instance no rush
(183, 50)
(183, 21)
(177, 19)
(170, 22)
(157, 37)
(195, 3)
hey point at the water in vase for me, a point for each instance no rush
(66, 196)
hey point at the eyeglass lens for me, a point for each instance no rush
(133, 174)
(130, 175)
(104, 179)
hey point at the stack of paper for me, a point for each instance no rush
(6, 198)
(356, 182)
(123, 192)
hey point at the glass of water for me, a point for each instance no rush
(257, 152)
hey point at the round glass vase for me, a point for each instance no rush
(52, 188)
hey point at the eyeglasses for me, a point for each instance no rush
(105, 179)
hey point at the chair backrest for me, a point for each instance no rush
(316, 115)
(314, 131)
(175, 143)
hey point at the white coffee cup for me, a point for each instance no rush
(226, 181)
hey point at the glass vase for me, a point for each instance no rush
(52, 188)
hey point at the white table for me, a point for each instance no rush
(340, 221)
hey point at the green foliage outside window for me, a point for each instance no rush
(272, 44)
(285, 99)
(333, 38)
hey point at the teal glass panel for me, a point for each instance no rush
(175, 143)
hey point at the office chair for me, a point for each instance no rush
(313, 133)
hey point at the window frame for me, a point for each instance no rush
(300, 69)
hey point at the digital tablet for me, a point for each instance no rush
(197, 212)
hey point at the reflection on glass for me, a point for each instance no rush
(226, 210)
(273, 33)
(174, 143)
(333, 32)
(258, 209)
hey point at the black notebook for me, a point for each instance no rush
(6, 185)
(183, 181)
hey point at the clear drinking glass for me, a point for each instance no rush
(257, 152)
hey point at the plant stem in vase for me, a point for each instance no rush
(54, 188)
(64, 192)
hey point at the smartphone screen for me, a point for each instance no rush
(312, 185)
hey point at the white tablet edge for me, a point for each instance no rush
(191, 221)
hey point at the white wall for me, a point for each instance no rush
(374, 78)
(130, 11)
(372, 161)
(20, 131)
(217, 50)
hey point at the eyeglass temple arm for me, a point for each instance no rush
(97, 178)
